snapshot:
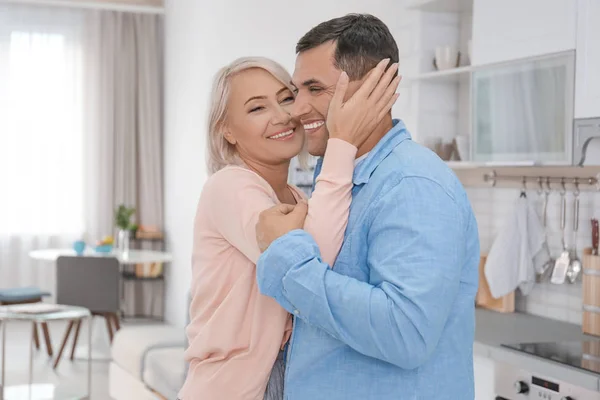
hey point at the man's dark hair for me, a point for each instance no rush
(362, 40)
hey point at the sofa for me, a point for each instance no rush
(147, 363)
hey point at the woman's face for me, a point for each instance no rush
(258, 120)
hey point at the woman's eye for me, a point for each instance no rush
(257, 108)
(288, 99)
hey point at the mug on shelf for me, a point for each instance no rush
(446, 57)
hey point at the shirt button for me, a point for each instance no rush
(296, 312)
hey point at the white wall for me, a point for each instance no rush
(200, 38)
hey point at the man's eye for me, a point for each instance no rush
(314, 89)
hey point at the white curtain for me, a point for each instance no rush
(41, 138)
(80, 130)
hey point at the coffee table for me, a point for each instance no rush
(36, 313)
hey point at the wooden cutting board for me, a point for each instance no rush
(484, 297)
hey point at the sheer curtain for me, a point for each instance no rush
(80, 129)
(41, 138)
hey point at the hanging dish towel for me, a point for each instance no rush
(517, 252)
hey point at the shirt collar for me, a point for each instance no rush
(359, 159)
(396, 135)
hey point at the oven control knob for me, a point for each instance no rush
(521, 387)
(567, 398)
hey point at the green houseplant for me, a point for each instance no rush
(127, 228)
(123, 217)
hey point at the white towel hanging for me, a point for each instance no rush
(516, 251)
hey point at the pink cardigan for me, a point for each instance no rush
(235, 333)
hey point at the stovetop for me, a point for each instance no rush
(584, 355)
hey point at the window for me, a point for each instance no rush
(41, 130)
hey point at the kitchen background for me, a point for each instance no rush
(437, 108)
(493, 36)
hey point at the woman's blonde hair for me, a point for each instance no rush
(221, 153)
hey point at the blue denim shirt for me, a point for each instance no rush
(394, 318)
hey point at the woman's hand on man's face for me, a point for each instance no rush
(353, 120)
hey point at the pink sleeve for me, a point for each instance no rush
(236, 199)
(329, 206)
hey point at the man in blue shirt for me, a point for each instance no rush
(394, 317)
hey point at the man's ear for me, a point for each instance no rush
(354, 85)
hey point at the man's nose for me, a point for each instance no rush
(301, 106)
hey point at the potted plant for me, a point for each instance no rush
(126, 227)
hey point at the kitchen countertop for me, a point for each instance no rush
(494, 329)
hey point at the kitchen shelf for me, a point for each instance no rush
(448, 75)
(463, 164)
(495, 164)
(441, 5)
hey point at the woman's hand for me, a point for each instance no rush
(278, 220)
(354, 120)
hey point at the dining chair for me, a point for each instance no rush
(90, 282)
(25, 295)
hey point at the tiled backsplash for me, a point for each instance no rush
(493, 206)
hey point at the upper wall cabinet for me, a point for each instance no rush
(587, 84)
(523, 111)
(505, 30)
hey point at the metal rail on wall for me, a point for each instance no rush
(592, 181)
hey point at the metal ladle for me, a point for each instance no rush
(547, 267)
(575, 266)
(562, 263)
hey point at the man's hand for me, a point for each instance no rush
(279, 220)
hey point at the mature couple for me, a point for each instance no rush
(366, 290)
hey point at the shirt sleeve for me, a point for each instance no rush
(238, 197)
(329, 206)
(414, 276)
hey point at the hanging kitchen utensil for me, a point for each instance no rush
(546, 196)
(546, 269)
(524, 187)
(563, 261)
(575, 266)
(594, 236)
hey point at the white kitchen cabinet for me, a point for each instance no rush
(506, 30)
(587, 83)
(484, 378)
(523, 111)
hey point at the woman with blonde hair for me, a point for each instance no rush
(236, 335)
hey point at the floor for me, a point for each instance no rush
(70, 377)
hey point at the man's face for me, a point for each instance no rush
(315, 77)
